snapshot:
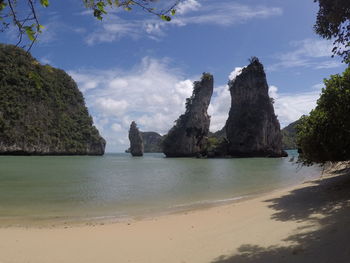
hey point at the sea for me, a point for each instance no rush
(116, 187)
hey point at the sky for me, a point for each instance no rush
(134, 66)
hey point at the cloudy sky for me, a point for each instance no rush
(133, 66)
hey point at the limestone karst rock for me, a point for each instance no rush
(42, 111)
(136, 142)
(152, 142)
(189, 135)
(252, 128)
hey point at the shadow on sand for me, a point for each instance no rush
(325, 207)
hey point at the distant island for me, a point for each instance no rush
(289, 135)
(42, 111)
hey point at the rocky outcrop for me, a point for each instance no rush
(136, 142)
(252, 128)
(189, 135)
(152, 142)
(42, 111)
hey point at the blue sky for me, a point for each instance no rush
(133, 66)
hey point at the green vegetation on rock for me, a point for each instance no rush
(188, 137)
(324, 135)
(42, 110)
(289, 135)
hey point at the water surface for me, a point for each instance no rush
(119, 186)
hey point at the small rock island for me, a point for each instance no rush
(136, 142)
(252, 128)
(188, 138)
(42, 111)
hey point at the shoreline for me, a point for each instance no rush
(304, 223)
(179, 209)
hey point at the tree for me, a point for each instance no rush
(333, 22)
(324, 135)
(23, 14)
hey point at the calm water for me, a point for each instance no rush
(117, 185)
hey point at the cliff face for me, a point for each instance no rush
(252, 128)
(189, 135)
(42, 111)
(136, 143)
(152, 142)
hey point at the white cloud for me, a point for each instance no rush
(113, 28)
(290, 107)
(187, 6)
(116, 127)
(111, 107)
(220, 13)
(237, 71)
(219, 107)
(311, 53)
(226, 13)
(273, 92)
(87, 82)
(153, 94)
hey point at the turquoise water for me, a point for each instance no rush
(118, 186)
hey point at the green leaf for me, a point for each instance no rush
(30, 32)
(173, 12)
(2, 5)
(98, 14)
(127, 8)
(39, 28)
(44, 3)
(165, 18)
(101, 7)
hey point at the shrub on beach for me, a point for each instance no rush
(324, 135)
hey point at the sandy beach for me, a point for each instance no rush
(306, 223)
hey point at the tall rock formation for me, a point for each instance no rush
(252, 128)
(189, 135)
(42, 111)
(136, 142)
